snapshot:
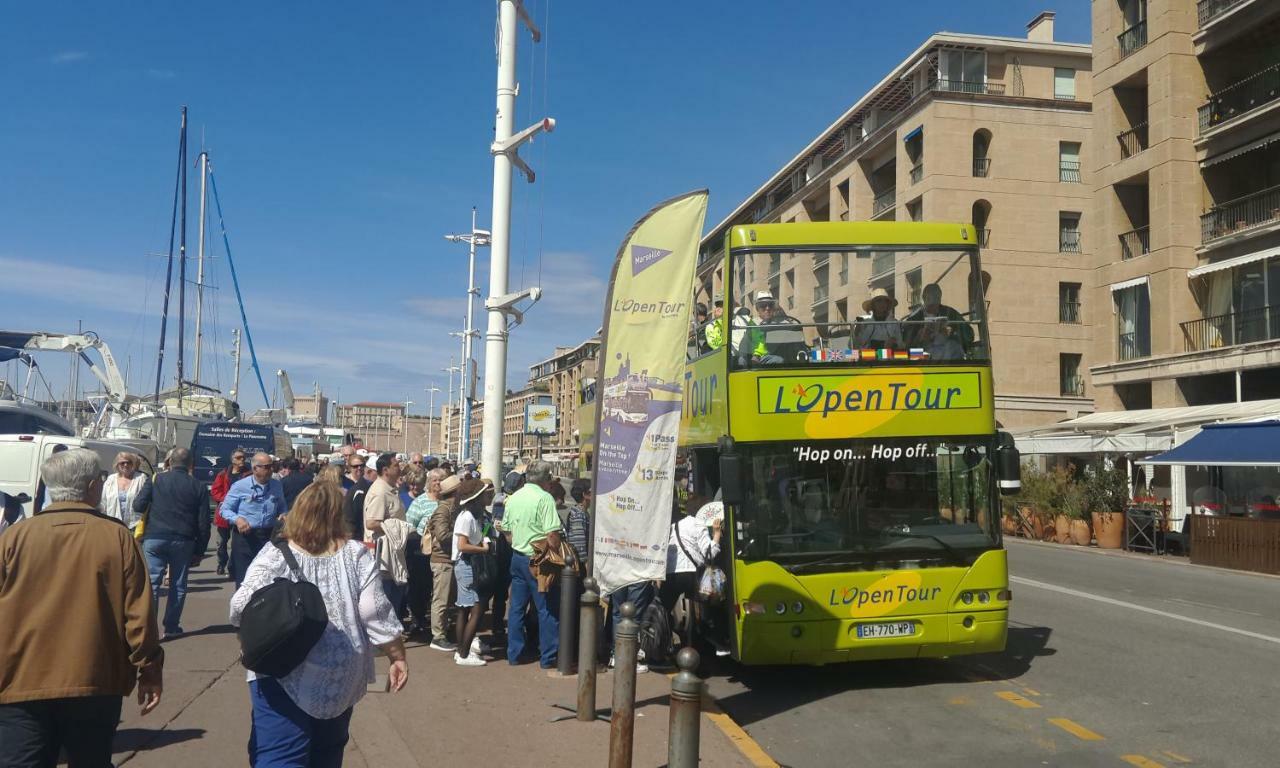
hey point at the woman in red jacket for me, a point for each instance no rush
(218, 492)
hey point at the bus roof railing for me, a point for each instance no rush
(860, 234)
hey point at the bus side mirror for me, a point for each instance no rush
(732, 492)
(1008, 466)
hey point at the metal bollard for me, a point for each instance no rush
(568, 627)
(588, 630)
(686, 712)
(622, 723)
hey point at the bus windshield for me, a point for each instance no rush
(856, 305)
(868, 501)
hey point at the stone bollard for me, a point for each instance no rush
(568, 616)
(588, 631)
(623, 720)
(684, 733)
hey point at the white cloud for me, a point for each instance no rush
(68, 57)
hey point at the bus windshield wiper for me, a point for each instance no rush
(836, 557)
(899, 535)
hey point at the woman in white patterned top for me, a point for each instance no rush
(303, 717)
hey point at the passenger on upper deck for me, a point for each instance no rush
(700, 327)
(778, 337)
(715, 332)
(879, 330)
(939, 329)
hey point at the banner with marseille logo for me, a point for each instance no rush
(641, 375)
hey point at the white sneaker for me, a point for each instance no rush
(641, 667)
(476, 645)
(468, 661)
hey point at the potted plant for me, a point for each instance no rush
(1075, 506)
(1108, 496)
(1036, 499)
(1063, 483)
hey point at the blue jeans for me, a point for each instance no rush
(640, 594)
(283, 736)
(175, 556)
(524, 587)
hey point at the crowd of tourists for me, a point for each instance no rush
(399, 548)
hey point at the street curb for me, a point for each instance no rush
(1157, 559)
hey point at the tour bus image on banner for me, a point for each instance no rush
(642, 362)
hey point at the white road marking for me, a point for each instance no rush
(1209, 605)
(1144, 609)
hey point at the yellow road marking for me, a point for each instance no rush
(974, 677)
(748, 746)
(1075, 729)
(960, 700)
(1031, 691)
(1017, 700)
(1175, 756)
(1141, 761)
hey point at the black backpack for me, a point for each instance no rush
(282, 622)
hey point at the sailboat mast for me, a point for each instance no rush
(182, 263)
(204, 182)
(168, 275)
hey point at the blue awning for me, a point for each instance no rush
(1255, 444)
(917, 132)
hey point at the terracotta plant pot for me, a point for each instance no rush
(1062, 529)
(1110, 530)
(1080, 533)
(1038, 525)
(1008, 526)
(1095, 520)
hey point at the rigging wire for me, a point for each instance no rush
(168, 278)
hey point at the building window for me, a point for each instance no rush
(1068, 232)
(915, 284)
(1069, 303)
(981, 150)
(915, 210)
(981, 213)
(1069, 161)
(963, 71)
(1133, 317)
(1064, 83)
(791, 289)
(844, 268)
(1071, 383)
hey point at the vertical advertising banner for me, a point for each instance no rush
(646, 327)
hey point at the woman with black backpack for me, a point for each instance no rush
(301, 712)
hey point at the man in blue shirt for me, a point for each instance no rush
(252, 506)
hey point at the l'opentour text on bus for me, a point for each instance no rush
(855, 448)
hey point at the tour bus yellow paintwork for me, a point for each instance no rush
(783, 618)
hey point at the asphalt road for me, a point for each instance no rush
(1112, 660)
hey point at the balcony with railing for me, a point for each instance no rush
(1256, 90)
(1133, 140)
(1069, 171)
(1069, 312)
(1068, 241)
(917, 173)
(883, 201)
(1208, 10)
(1241, 214)
(981, 167)
(1129, 347)
(1071, 385)
(1132, 39)
(985, 88)
(1251, 325)
(1135, 243)
(882, 263)
(820, 294)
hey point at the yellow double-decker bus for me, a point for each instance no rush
(843, 411)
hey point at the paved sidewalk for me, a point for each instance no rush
(446, 715)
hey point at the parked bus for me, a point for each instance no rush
(854, 443)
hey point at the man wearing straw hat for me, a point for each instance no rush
(878, 330)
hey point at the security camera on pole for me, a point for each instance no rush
(501, 305)
(477, 237)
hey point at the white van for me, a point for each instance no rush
(22, 455)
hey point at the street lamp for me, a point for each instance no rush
(431, 411)
(449, 422)
(404, 426)
(475, 238)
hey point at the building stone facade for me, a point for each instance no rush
(568, 375)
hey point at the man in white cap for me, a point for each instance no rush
(765, 351)
(879, 329)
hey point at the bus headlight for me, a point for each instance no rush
(798, 606)
(984, 597)
(756, 609)
(780, 608)
(966, 597)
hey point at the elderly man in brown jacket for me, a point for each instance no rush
(440, 528)
(77, 625)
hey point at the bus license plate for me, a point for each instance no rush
(886, 629)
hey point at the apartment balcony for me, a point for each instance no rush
(1208, 10)
(917, 173)
(1133, 140)
(1132, 39)
(1069, 241)
(987, 88)
(882, 263)
(883, 201)
(1135, 243)
(820, 294)
(1240, 215)
(981, 167)
(1069, 312)
(1069, 171)
(1071, 386)
(1256, 90)
(1252, 325)
(1129, 348)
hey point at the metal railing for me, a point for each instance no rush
(1133, 140)
(820, 294)
(1071, 386)
(1068, 241)
(1135, 243)
(883, 201)
(1256, 90)
(1130, 349)
(1240, 214)
(1132, 39)
(1260, 324)
(1069, 312)
(917, 173)
(1069, 171)
(984, 238)
(1208, 10)
(988, 88)
(981, 166)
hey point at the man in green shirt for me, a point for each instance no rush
(530, 515)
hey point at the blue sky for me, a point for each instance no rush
(346, 143)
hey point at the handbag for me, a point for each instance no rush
(484, 571)
(282, 622)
